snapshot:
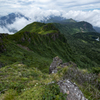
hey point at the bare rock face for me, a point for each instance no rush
(66, 86)
(73, 92)
(56, 62)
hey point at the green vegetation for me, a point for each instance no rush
(32, 48)
(83, 44)
(21, 82)
(74, 27)
(25, 58)
(40, 28)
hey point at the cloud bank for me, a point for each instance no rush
(7, 6)
(38, 14)
(37, 10)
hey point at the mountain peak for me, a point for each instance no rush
(58, 19)
(40, 28)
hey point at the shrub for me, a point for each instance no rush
(52, 92)
(96, 70)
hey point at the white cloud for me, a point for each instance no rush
(7, 6)
(18, 24)
(92, 17)
(87, 10)
(5, 30)
(38, 14)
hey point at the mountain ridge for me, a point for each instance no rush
(51, 19)
(25, 59)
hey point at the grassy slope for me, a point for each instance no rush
(41, 48)
(21, 82)
(40, 28)
(25, 54)
(83, 45)
(21, 78)
(74, 27)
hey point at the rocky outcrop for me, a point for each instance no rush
(66, 86)
(73, 92)
(24, 47)
(58, 62)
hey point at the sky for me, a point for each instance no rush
(80, 10)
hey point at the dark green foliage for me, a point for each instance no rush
(17, 86)
(73, 28)
(49, 45)
(48, 27)
(36, 45)
(84, 48)
(83, 44)
(40, 28)
(36, 49)
(52, 92)
(33, 27)
(96, 70)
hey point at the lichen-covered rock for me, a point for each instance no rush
(56, 62)
(73, 92)
(66, 86)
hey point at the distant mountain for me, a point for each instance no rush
(80, 36)
(10, 19)
(58, 19)
(73, 28)
(97, 29)
(37, 38)
(70, 25)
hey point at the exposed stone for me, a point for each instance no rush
(56, 62)
(66, 86)
(73, 92)
(24, 47)
(23, 39)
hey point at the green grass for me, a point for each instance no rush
(39, 28)
(26, 58)
(22, 82)
(83, 44)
